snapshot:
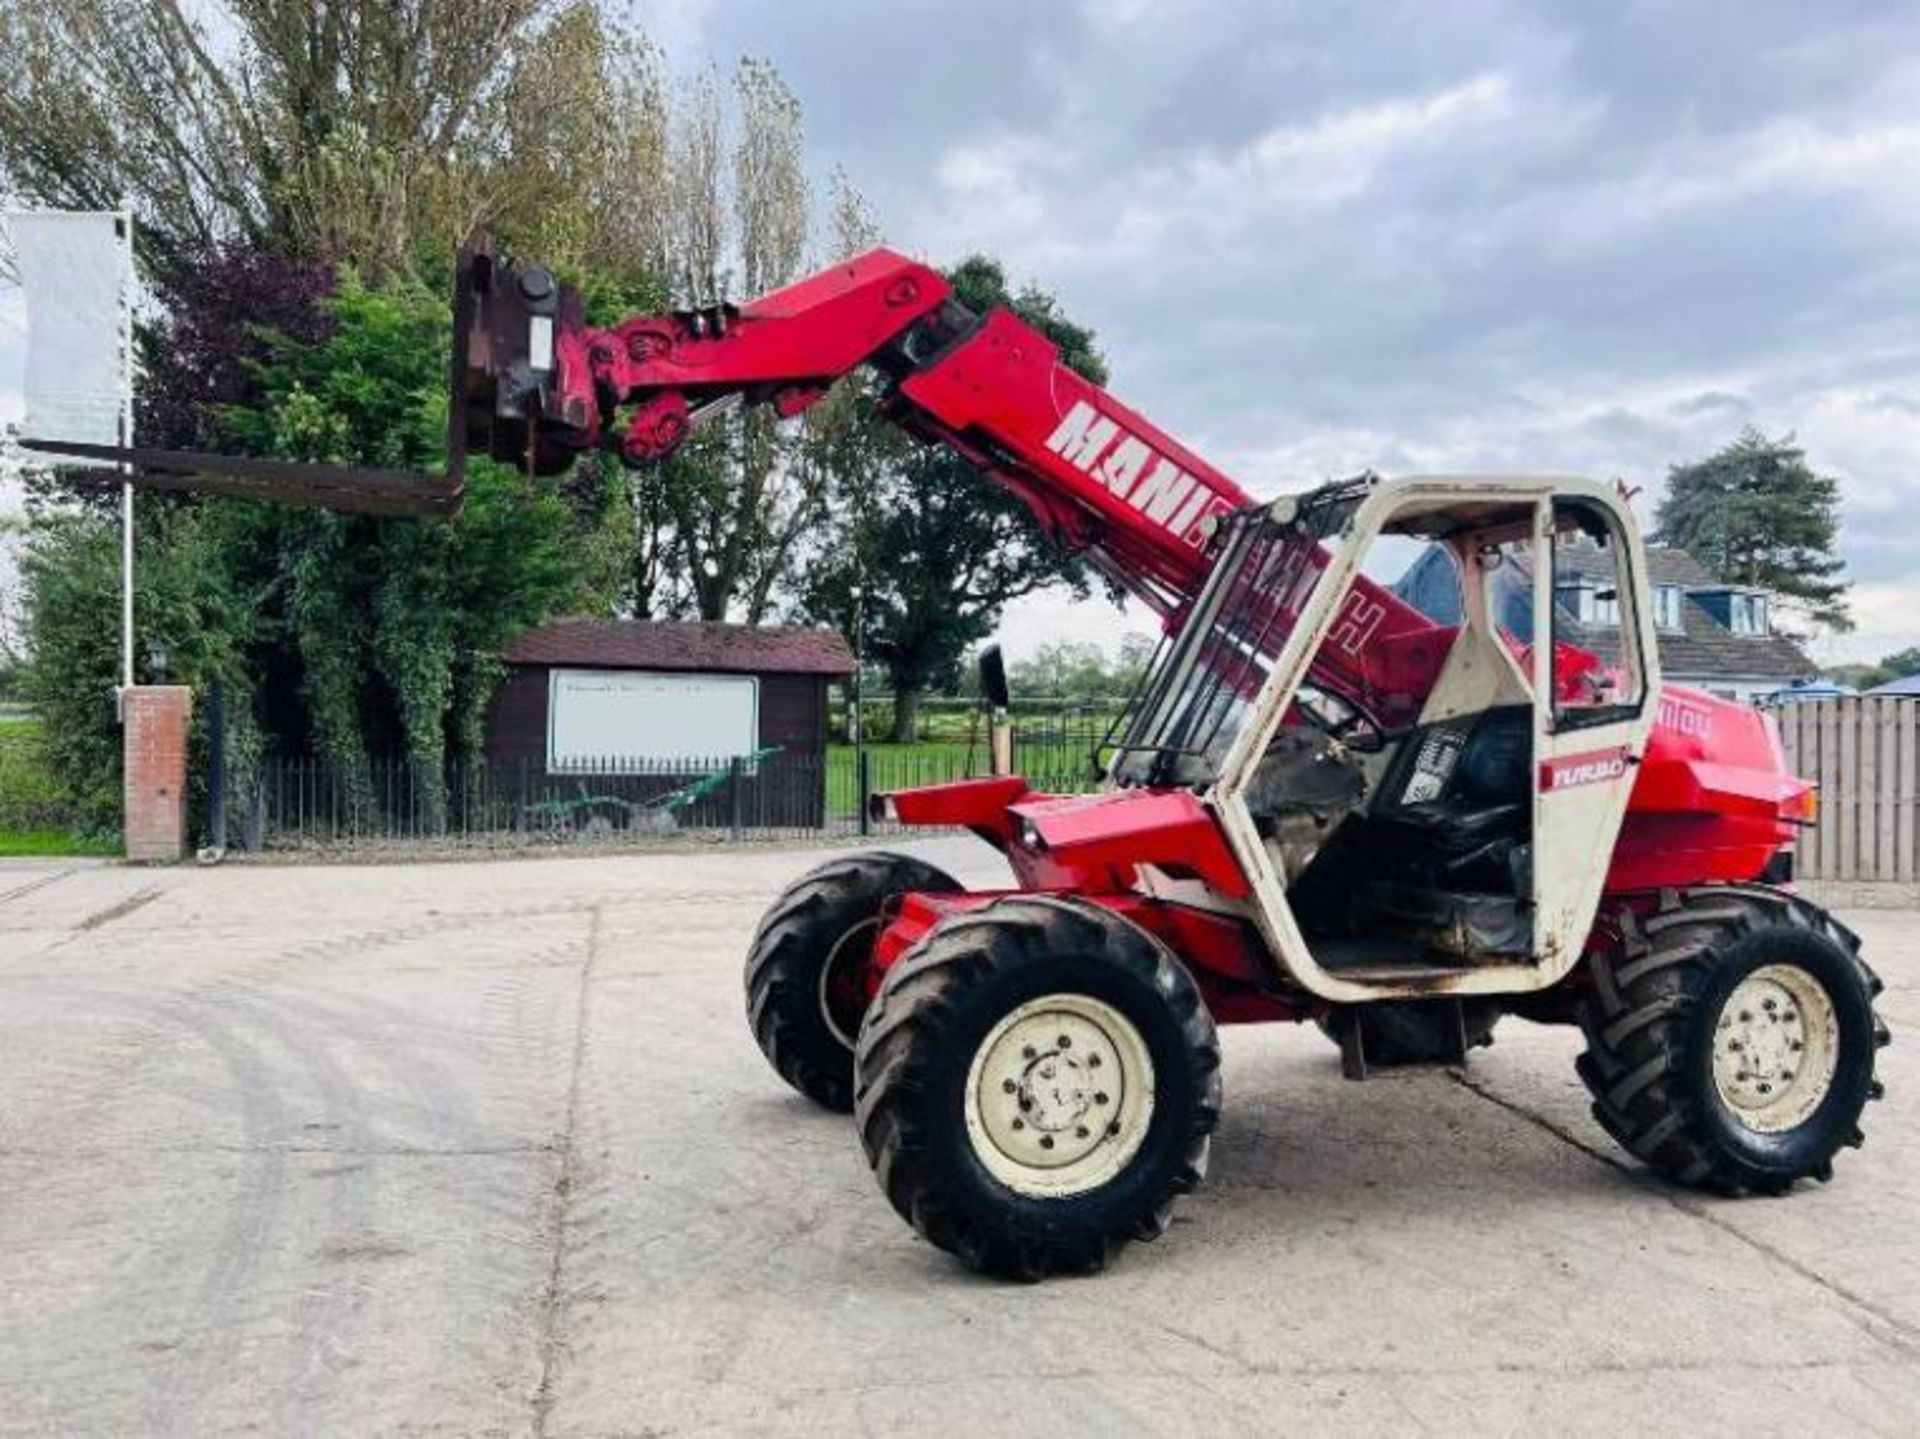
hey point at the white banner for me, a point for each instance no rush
(76, 276)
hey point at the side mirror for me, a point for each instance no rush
(993, 679)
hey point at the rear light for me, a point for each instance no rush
(1031, 837)
(882, 810)
(1803, 808)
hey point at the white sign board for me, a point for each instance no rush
(622, 716)
(76, 275)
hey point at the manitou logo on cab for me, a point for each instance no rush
(1134, 471)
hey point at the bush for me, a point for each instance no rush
(30, 796)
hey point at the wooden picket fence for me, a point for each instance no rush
(1864, 752)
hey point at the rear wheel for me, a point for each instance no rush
(1731, 1040)
(807, 970)
(1038, 1081)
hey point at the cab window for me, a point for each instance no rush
(1598, 673)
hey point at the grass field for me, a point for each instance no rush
(49, 843)
(902, 766)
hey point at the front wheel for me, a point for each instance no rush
(1037, 1081)
(807, 971)
(1731, 1040)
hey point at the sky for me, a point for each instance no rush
(1316, 239)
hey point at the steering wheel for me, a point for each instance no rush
(1339, 718)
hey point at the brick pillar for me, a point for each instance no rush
(155, 736)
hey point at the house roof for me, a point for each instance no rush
(1702, 649)
(1910, 685)
(683, 645)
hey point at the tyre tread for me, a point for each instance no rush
(1634, 1021)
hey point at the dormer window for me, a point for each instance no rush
(1747, 615)
(1669, 602)
(1590, 603)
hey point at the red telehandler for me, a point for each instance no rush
(1322, 805)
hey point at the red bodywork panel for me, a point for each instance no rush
(1224, 954)
(1712, 802)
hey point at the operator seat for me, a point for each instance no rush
(1454, 807)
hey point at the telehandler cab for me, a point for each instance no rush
(1322, 806)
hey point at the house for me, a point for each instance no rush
(1712, 635)
(634, 709)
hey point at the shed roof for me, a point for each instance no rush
(689, 645)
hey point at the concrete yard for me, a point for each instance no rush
(486, 1147)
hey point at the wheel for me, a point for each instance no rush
(806, 975)
(1038, 1080)
(1413, 1031)
(1731, 1040)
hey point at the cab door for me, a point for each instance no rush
(1597, 683)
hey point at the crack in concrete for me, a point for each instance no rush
(1873, 1319)
(548, 1342)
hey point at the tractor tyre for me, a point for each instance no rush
(806, 975)
(1413, 1031)
(1038, 1081)
(1731, 1039)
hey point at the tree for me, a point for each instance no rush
(727, 511)
(935, 549)
(1756, 513)
(360, 129)
(424, 608)
(386, 632)
(1897, 666)
(1077, 670)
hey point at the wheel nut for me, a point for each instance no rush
(1765, 1088)
(1746, 1017)
(1081, 1131)
(1066, 1041)
(1019, 1123)
(1008, 1086)
(1046, 1141)
(1029, 1052)
(1735, 1045)
(1093, 1061)
(1113, 1128)
(1100, 1098)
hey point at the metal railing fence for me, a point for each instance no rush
(303, 802)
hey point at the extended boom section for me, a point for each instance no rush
(540, 386)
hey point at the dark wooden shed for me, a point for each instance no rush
(599, 702)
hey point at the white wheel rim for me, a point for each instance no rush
(1059, 1096)
(1776, 1047)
